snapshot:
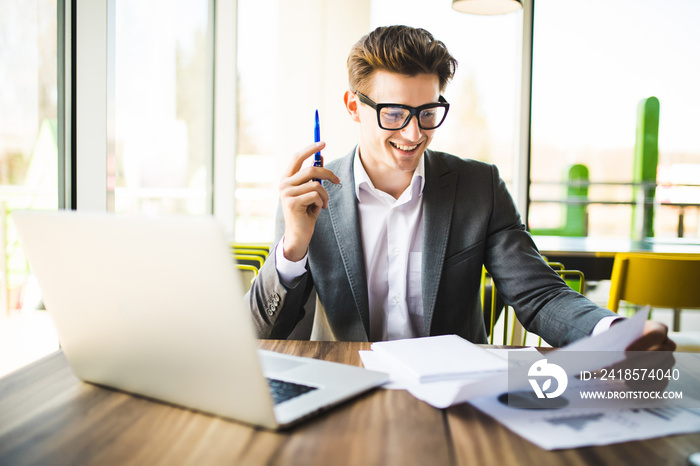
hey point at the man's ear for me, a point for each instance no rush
(352, 105)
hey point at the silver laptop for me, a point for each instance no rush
(154, 306)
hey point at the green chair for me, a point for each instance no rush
(575, 208)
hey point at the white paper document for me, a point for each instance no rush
(580, 427)
(479, 376)
(489, 375)
(444, 393)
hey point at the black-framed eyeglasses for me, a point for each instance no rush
(396, 116)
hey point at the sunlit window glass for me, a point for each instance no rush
(594, 63)
(256, 185)
(28, 167)
(483, 95)
(162, 120)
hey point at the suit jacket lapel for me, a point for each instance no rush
(438, 202)
(344, 214)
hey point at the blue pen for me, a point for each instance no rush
(317, 138)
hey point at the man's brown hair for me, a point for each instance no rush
(399, 49)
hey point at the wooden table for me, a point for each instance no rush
(49, 417)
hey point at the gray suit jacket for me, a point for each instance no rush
(470, 220)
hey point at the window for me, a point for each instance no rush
(162, 108)
(258, 72)
(28, 128)
(28, 166)
(286, 72)
(483, 93)
(291, 62)
(593, 63)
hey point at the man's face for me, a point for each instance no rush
(384, 152)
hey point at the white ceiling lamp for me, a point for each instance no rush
(487, 7)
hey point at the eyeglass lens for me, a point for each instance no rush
(397, 117)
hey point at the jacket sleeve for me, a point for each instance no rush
(276, 308)
(542, 301)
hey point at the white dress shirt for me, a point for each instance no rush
(392, 239)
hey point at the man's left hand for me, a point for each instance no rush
(654, 338)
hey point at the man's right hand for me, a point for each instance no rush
(302, 200)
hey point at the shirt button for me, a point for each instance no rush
(395, 299)
(396, 251)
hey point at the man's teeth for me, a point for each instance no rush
(406, 148)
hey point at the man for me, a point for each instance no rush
(393, 236)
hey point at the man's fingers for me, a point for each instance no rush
(652, 342)
(306, 194)
(308, 174)
(298, 158)
(654, 338)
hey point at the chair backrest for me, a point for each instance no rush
(249, 259)
(494, 306)
(247, 274)
(657, 280)
(262, 249)
(263, 253)
(555, 265)
(573, 278)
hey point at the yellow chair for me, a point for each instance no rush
(265, 246)
(247, 274)
(574, 278)
(555, 265)
(493, 305)
(249, 259)
(257, 249)
(253, 252)
(658, 280)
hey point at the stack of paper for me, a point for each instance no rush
(445, 357)
(447, 370)
(442, 370)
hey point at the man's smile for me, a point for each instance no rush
(404, 148)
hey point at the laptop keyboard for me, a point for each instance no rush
(282, 390)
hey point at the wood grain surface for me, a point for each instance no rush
(49, 417)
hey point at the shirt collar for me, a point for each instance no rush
(362, 178)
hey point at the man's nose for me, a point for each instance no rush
(412, 131)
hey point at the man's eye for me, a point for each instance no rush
(393, 115)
